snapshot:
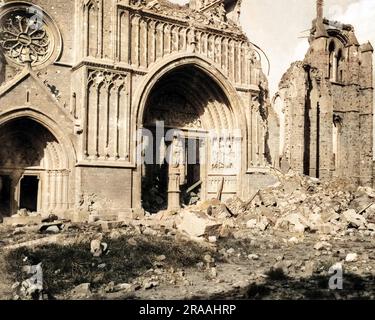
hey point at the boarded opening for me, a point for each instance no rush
(29, 193)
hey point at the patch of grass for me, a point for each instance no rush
(65, 267)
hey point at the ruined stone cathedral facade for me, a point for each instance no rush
(81, 78)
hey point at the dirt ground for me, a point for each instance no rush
(299, 239)
(159, 263)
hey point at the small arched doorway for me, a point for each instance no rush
(34, 169)
(187, 110)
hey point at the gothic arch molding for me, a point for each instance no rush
(39, 152)
(218, 106)
(179, 60)
(48, 123)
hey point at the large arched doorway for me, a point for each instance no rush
(34, 169)
(186, 110)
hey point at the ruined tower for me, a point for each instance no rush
(325, 104)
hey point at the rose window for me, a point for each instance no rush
(25, 37)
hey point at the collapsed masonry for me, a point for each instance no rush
(325, 106)
(85, 96)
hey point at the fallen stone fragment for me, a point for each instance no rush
(149, 232)
(351, 257)
(109, 225)
(354, 219)
(199, 224)
(283, 265)
(33, 286)
(263, 223)
(327, 228)
(98, 247)
(253, 256)
(294, 222)
(123, 287)
(54, 227)
(81, 291)
(293, 240)
(147, 285)
(251, 224)
(322, 245)
(231, 251)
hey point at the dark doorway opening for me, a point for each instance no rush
(192, 189)
(155, 174)
(29, 193)
(5, 186)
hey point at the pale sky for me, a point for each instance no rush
(277, 25)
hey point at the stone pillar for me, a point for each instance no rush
(176, 174)
(174, 189)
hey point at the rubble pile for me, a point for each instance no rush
(299, 228)
(297, 204)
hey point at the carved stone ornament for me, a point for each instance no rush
(204, 13)
(28, 35)
(174, 111)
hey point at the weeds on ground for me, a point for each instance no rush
(65, 267)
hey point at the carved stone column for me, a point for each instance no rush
(174, 189)
(176, 174)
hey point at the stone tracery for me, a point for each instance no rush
(25, 38)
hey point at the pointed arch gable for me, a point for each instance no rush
(68, 149)
(178, 60)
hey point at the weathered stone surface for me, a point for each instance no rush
(353, 219)
(81, 291)
(199, 224)
(351, 257)
(322, 245)
(98, 247)
(293, 222)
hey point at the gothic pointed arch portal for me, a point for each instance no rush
(34, 168)
(191, 141)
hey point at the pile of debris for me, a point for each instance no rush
(296, 204)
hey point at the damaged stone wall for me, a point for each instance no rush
(325, 105)
(91, 81)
